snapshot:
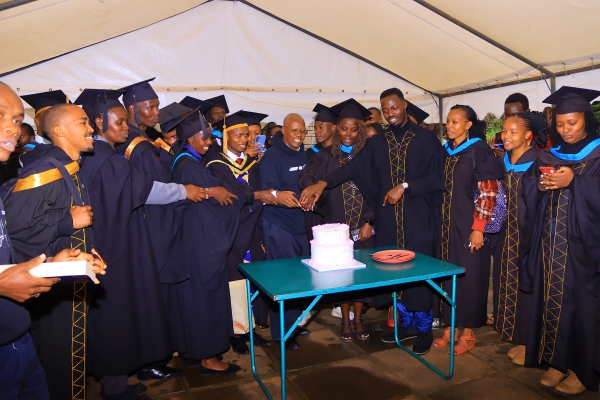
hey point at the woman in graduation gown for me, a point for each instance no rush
(344, 204)
(470, 167)
(240, 174)
(512, 315)
(127, 322)
(196, 267)
(563, 269)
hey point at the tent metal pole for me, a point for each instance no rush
(441, 110)
(552, 84)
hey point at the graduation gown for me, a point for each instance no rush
(406, 154)
(243, 180)
(196, 268)
(471, 162)
(39, 221)
(512, 306)
(343, 204)
(563, 269)
(127, 322)
(313, 218)
(161, 222)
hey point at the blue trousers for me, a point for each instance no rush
(279, 244)
(21, 375)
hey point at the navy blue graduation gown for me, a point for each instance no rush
(246, 236)
(39, 221)
(161, 222)
(199, 300)
(563, 269)
(471, 162)
(511, 246)
(127, 322)
(416, 156)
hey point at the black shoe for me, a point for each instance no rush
(403, 334)
(238, 344)
(159, 372)
(260, 341)
(290, 344)
(232, 368)
(423, 342)
(301, 331)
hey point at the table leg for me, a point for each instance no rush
(282, 347)
(452, 303)
(252, 349)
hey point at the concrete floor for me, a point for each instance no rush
(326, 368)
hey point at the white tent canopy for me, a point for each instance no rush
(282, 56)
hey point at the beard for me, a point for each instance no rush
(399, 121)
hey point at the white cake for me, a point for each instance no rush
(331, 245)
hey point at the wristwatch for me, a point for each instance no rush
(370, 221)
(404, 185)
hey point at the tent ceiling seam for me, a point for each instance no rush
(332, 44)
(484, 37)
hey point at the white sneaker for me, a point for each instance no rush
(337, 312)
(305, 319)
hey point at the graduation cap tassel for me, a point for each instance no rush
(105, 115)
(224, 136)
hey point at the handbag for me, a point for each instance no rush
(500, 211)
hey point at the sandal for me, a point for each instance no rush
(445, 338)
(347, 337)
(490, 319)
(360, 335)
(265, 326)
(469, 342)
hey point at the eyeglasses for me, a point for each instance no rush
(296, 131)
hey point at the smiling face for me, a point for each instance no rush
(199, 143)
(571, 127)
(294, 132)
(237, 140)
(117, 128)
(70, 129)
(148, 112)
(324, 132)
(514, 134)
(457, 125)
(348, 131)
(11, 118)
(394, 110)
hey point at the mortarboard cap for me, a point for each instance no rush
(350, 109)
(570, 99)
(252, 118)
(140, 91)
(191, 124)
(416, 112)
(170, 115)
(99, 101)
(233, 121)
(218, 101)
(192, 103)
(324, 114)
(41, 101)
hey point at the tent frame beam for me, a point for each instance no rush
(248, 3)
(484, 37)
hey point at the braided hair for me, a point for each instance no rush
(359, 143)
(592, 127)
(477, 129)
(537, 123)
(177, 147)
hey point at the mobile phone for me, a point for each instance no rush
(498, 145)
(260, 140)
(547, 170)
(355, 233)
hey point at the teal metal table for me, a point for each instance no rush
(288, 279)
